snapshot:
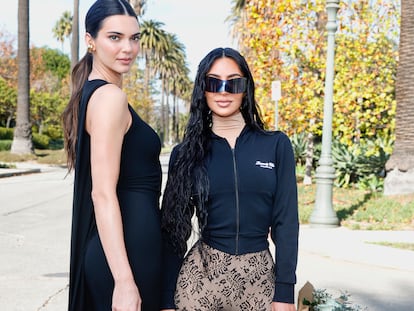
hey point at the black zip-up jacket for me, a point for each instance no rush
(252, 189)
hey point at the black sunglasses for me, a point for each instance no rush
(234, 86)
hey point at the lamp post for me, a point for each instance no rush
(323, 214)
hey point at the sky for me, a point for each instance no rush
(199, 25)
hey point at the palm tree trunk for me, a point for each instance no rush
(162, 117)
(22, 139)
(400, 166)
(167, 112)
(75, 34)
(175, 119)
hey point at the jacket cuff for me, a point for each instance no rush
(284, 292)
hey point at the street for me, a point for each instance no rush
(34, 239)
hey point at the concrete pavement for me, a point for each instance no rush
(378, 277)
(35, 213)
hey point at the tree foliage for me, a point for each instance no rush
(8, 64)
(63, 27)
(50, 69)
(8, 99)
(49, 82)
(8, 79)
(134, 87)
(286, 41)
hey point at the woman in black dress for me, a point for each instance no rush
(116, 239)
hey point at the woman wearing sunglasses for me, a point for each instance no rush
(239, 180)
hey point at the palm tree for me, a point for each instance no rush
(237, 20)
(181, 88)
(75, 34)
(400, 166)
(139, 6)
(63, 27)
(153, 44)
(169, 65)
(22, 139)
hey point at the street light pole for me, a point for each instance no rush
(323, 214)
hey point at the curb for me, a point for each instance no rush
(16, 172)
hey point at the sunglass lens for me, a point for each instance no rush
(236, 86)
(233, 86)
(213, 85)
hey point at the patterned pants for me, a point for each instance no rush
(226, 283)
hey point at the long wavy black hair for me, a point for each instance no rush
(187, 186)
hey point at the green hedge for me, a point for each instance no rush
(51, 140)
(41, 141)
(6, 133)
(5, 145)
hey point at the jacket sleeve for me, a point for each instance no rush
(285, 222)
(171, 263)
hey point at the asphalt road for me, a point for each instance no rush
(35, 218)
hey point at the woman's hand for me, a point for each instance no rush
(126, 297)
(282, 306)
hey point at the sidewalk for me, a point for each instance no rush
(357, 246)
(340, 260)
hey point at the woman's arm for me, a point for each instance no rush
(107, 120)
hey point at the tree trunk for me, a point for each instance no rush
(75, 34)
(167, 112)
(175, 119)
(400, 166)
(22, 139)
(162, 117)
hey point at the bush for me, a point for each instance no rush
(41, 141)
(55, 132)
(56, 144)
(6, 133)
(300, 146)
(5, 145)
(361, 164)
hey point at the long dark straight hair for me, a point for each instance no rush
(187, 186)
(95, 16)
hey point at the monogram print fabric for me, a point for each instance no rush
(225, 282)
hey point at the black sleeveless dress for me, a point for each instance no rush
(139, 187)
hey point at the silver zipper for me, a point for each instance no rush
(236, 186)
